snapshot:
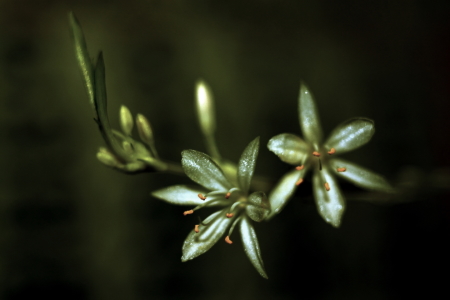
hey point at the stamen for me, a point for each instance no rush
(201, 196)
(188, 212)
(227, 239)
(327, 186)
(316, 154)
(227, 195)
(196, 229)
(341, 169)
(299, 182)
(298, 168)
(332, 151)
(229, 215)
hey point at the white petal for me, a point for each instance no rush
(251, 246)
(330, 204)
(203, 170)
(283, 191)
(360, 176)
(247, 163)
(198, 243)
(290, 148)
(309, 117)
(350, 135)
(180, 195)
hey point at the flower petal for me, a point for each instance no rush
(309, 117)
(283, 191)
(251, 246)
(203, 170)
(330, 204)
(246, 165)
(180, 195)
(198, 243)
(360, 176)
(289, 148)
(350, 135)
(259, 207)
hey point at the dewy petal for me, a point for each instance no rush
(180, 195)
(289, 148)
(246, 165)
(283, 191)
(330, 204)
(350, 135)
(360, 176)
(203, 170)
(309, 117)
(251, 246)
(258, 208)
(198, 243)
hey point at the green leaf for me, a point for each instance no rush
(203, 170)
(246, 165)
(251, 246)
(350, 135)
(283, 191)
(82, 54)
(360, 176)
(259, 207)
(198, 243)
(290, 148)
(180, 195)
(330, 204)
(309, 117)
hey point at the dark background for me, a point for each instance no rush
(71, 228)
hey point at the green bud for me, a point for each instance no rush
(205, 108)
(107, 158)
(126, 120)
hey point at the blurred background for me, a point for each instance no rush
(70, 228)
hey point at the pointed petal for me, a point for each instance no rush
(203, 170)
(289, 148)
(309, 117)
(330, 204)
(198, 243)
(259, 207)
(283, 191)
(251, 246)
(350, 135)
(180, 195)
(246, 165)
(360, 176)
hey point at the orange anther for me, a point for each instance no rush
(201, 196)
(227, 195)
(316, 154)
(298, 168)
(299, 181)
(341, 169)
(188, 212)
(332, 151)
(227, 239)
(229, 215)
(196, 228)
(327, 186)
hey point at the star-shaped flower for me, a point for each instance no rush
(237, 207)
(312, 154)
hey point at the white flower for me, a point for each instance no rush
(313, 154)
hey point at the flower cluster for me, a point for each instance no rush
(311, 153)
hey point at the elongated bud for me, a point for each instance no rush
(107, 158)
(126, 120)
(144, 129)
(205, 108)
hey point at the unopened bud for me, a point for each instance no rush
(107, 158)
(127, 147)
(126, 120)
(205, 108)
(144, 128)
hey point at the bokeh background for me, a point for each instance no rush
(71, 228)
